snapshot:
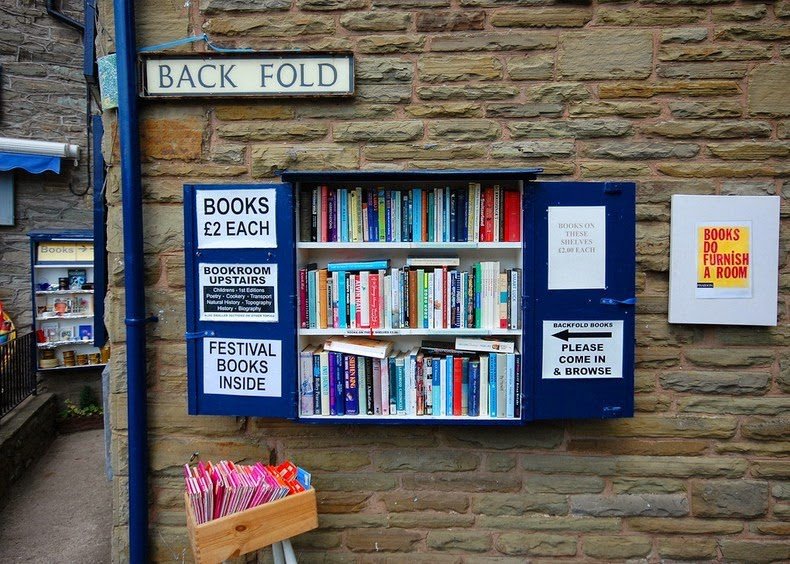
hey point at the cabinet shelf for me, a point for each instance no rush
(410, 418)
(409, 245)
(61, 292)
(408, 332)
(66, 316)
(65, 265)
(56, 344)
(75, 367)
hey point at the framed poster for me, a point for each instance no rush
(724, 259)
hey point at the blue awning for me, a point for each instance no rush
(35, 164)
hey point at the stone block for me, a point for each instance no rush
(342, 502)
(522, 111)
(618, 109)
(560, 484)
(381, 131)
(684, 526)
(532, 149)
(267, 159)
(537, 436)
(687, 548)
(735, 406)
(494, 41)
(538, 544)
(156, 23)
(739, 13)
(376, 21)
(351, 521)
(605, 55)
(638, 446)
(723, 170)
(330, 460)
(616, 547)
(273, 131)
(713, 52)
(639, 150)
(766, 429)
(500, 462)
(398, 502)
(271, 26)
(750, 150)
(448, 109)
(604, 170)
(702, 71)
(754, 551)
(428, 151)
(464, 130)
(558, 92)
(430, 520)
(752, 33)
(771, 469)
(328, 5)
(630, 505)
(542, 17)
(684, 35)
(212, 6)
(450, 21)
(519, 504)
(378, 94)
(579, 129)
(416, 460)
(652, 16)
(647, 485)
(767, 83)
(382, 540)
(722, 129)
(179, 139)
(462, 482)
(536, 67)
(709, 109)
(731, 383)
(468, 92)
(678, 88)
(349, 481)
(549, 523)
(383, 70)
(725, 498)
(449, 68)
(391, 43)
(459, 541)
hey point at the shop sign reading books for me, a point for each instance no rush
(248, 74)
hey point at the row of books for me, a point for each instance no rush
(217, 490)
(434, 379)
(356, 215)
(426, 293)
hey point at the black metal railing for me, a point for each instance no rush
(17, 371)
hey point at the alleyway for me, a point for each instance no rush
(61, 510)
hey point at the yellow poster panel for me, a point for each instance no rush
(60, 251)
(724, 260)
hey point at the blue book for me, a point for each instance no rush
(400, 385)
(492, 385)
(350, 384)
(340, 403)
(341, 299)
(358, 265)
(446, 218)
(343, 198)
(510, 390)
(431, 216)
(461, 216)
(332, 384)
(416, 212)
(474, 388)
(436, 382)
(453, 207)
(448, 393)
(373, 215)
(388, 216)
(316, 385)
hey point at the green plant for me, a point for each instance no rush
(87, 397)
(74, 411)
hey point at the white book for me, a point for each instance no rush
(306, 380)
(364, 298)
(332, 312)
(433, 261)
(483, 385)
(353, 287)
(448, 299)
(485, 297)
(501, 385)
(411, 382)
(462, 299)
(476, 219)
(394, 311)
(485, 344)
(361, 346)
(513, 296)
(386, 311)
(385, 386)
(494, 295)
(323, 362)
(430, 305)
(511, 385)
(380, 298)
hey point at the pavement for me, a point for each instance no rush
(61, 510)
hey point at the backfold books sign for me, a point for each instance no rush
(724, 265)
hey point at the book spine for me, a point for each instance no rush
(511, 386)
(483, 395)
(331, 202)
(312, 287)
(517, 407)
(304, 319)
(376, 369)
(364, 291)
(353, 317)
(436, 386)
(340, 404)
(431, 230)
(351, 384)
(317, 392)
(306, 383)
(419, 385)
(501, 385)
(464, 386)
(314, 193)
(519, 303)
(342, 300)
(427, 377)
(503, 300)
(400, 369)
(305, 213)
(367, 362)
(426, 300)
(325, 390)
(335, 299)
(333, 377)
(497, 213)
(324, 213)
(492, 385)
(449, 388)
(384, 371)
(373, 298)
(412, 298)
(512, 229)
(322, 306)
(386, 309)
(458, 378)
(393, 374)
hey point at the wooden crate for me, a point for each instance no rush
(246, 531)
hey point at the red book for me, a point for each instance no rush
(303, 305)
(324, 213)
(373, 293)
(458, 376)
(512, 211)
(357, 301)
(487, 232)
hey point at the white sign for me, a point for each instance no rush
(577, 247)
(724, 260)
(238, 292)
(263, 74)
(242, 367)
(236, 219)
(582, 349)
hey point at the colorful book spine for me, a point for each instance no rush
(351, 387)
(474, 389)
(492, 385)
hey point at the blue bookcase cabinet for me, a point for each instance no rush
(577, 333)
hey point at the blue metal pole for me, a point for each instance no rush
(131, 191)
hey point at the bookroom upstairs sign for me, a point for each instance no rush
(248, 74)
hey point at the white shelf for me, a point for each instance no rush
(61, 292)
(75, 367)
(66, 316)
(408, 245)
(56, 344)
(438, 332)
(65, 265)
(406, 418)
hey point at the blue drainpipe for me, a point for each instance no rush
(131, 191)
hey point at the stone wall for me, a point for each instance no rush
(42, 97)
(681, 96)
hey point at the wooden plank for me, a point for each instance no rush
(250, 530)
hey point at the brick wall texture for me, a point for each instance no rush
(681, 96)
(42, 97)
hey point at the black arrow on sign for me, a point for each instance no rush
(565, 335)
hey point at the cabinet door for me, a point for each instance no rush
(583, 320)
(240, 299)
